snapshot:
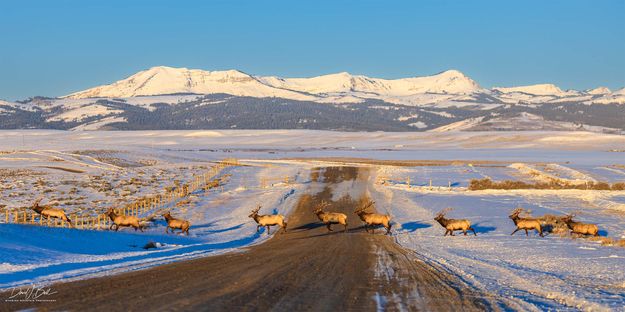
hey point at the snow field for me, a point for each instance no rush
(219, 223)
(532, 272)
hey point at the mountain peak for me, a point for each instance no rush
(599, 91)
(453, 73)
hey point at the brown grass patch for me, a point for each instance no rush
(488, 184)
(64, 169)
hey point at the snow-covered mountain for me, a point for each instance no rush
(448, 88)
(167, 80)
(451, 81)
(179, 98)
(599, 91)
(538, 89)
(341, 87)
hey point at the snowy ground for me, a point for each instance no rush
(538, 273)
(219, 218)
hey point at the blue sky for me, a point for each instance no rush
(52, 48)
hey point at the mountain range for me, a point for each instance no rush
(166, 96)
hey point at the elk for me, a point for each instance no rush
(329, 218)
(525, 223)
(173, 223)
(122, 221)
(49, 212)
(579, 227)
(452, 225)
(372, 219)
(267, 220)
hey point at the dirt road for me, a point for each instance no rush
(306, 269)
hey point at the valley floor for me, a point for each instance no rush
(280, 172)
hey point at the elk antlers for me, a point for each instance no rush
(257, 209)
(365, 206)
(323, 204)
(443, 212)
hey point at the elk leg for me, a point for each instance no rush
(465, 232)
(473, 231)
(345, 227)
(515, 231)
(526, 232)
(258, 228)
(267, 229)
(329, 225)
(167, 229)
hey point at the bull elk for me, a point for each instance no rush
(49, 212)
(329, 218)
(122, 221)
(267, 220)
(372, 219)
(525, 223)
(579, 227)
(452, 225)
(173, 223)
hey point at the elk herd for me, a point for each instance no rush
(525, 223)
(370, 220)
(117, 220)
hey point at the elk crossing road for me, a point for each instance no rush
(306, 269)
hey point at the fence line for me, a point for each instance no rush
(141, 207)
(388, 180)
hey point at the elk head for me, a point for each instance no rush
(37, 201)
(568, 218)
(516, 212)
(324, 204)
(110, 212)
(255, 211)
(441, 214)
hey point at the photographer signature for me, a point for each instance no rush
(30, 293)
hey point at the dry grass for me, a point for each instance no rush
(64, 169)
(488, 184)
